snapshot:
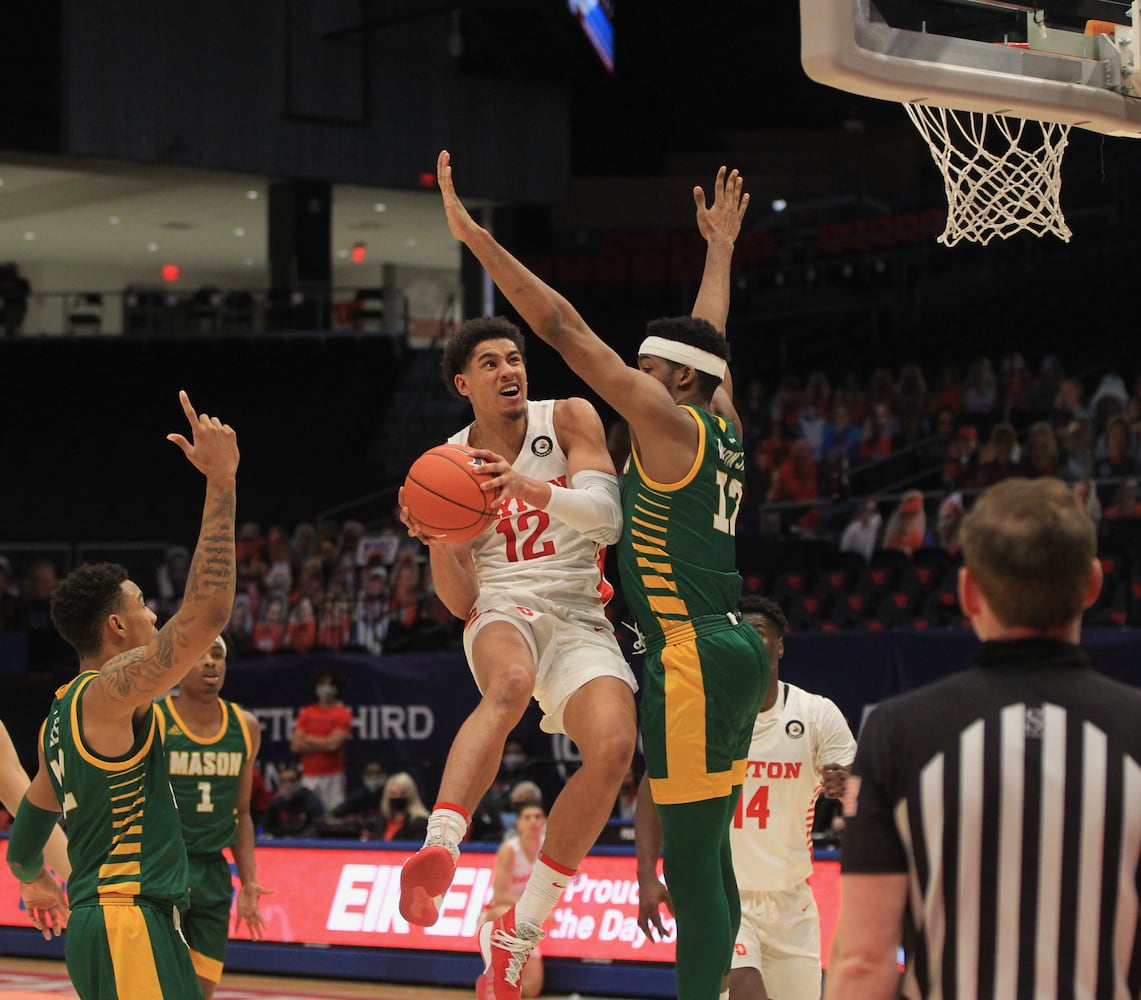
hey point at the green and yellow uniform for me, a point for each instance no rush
(703, 681)
(205, 773)
(129, 869)
(705, 672)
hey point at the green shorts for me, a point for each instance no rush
(700, 698)
(206, 922)
(125, 951)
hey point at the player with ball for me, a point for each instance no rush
(531, 589)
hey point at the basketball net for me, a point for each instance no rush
(1001, 175)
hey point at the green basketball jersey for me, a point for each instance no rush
(205, 773)
(678, 555)
(123, 832)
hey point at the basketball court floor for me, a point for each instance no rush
(43, 979)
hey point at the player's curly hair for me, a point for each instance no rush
(460, 347)
(766, 608)
(699, 333)
(83, 600)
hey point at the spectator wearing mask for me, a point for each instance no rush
(361, 809)
(404, 814)
(319, 737)
(294, 809)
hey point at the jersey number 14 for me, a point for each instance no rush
(758, 809)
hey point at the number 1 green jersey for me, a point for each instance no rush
(205, 772)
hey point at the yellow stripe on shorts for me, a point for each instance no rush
(132, 958)
(688, 780)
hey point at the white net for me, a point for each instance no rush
(1001, 175)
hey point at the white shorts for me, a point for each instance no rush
(570, 648)
(780, 936)
(329, 788)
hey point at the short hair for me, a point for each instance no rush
(460, 346)
(82, 601)
(1030, 545)
(327, 675)
(699, 333)
(767, 609)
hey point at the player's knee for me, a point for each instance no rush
(610, 753)
(509, 690)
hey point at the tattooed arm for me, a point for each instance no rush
(132, 679)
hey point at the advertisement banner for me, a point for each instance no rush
(350, 896)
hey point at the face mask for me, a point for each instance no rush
(514, 761)
(326, 691)
(374, 784)
(398, 803)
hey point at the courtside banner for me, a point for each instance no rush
(350, 896)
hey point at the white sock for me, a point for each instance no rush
(447, 827)
(542, 893)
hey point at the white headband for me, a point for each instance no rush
(221, 642)
(684, 354)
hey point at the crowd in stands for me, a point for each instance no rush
(809, 441)
(887, 461)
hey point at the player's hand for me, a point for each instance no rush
(508, 481)
(415, 528)
(834, 777)
(213, 445)
(248, 897)
(460, 222)
(46, 903)
(723, 220)
(651, 897)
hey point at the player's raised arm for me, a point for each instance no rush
(720, 225)
(132, 679)
(641, 399)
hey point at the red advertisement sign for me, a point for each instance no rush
(347, 896)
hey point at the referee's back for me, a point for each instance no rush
(994, 817)
(1020, 798)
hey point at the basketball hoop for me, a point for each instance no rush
(1001, 175)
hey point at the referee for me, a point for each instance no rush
(994, 818)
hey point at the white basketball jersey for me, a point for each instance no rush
(771, 834)
(528, 552)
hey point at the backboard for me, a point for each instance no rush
(1037, 59)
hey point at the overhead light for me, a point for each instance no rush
(248, 261)
(29, 235)
(113, 220)
(410, 242)
(152, 247)
(343, 254)
(779, 204)
(252, 194)
(239, 231)
(379, 206)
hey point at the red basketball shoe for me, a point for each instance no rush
(424, 879)
(505, 950)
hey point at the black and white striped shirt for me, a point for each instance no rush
(1011, 795)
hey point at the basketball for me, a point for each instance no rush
(442, 491)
